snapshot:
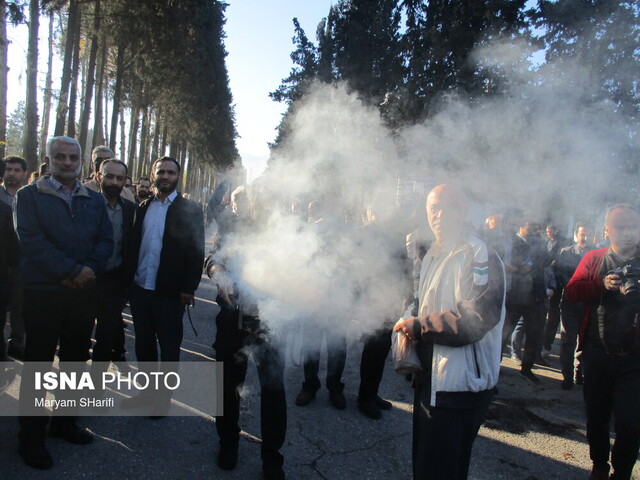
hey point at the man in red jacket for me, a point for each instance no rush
(610, 340)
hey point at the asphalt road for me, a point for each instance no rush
(531, 433)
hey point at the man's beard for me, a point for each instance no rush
(165, 188)
(145, 194)
(111, 191)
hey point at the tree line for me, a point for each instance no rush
(145, 78)
(407, 57)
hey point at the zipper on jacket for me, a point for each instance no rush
(475, 361)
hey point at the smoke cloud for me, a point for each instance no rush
(547, 146)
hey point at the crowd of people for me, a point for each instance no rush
(85, 249)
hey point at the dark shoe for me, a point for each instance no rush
(567, 384)
(304, 398)
(228, 456)
(528, 374)
(36, 455)
(579, 379)
(371, 409)
(599, 474)
(71, 433)
(272, 472)
(336, 397)
(382, 403)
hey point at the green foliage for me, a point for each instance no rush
(15, 130)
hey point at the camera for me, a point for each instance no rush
(629, 276)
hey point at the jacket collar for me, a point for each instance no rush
(43, 186)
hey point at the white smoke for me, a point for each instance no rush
(545, 143)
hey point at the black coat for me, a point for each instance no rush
(182, 252)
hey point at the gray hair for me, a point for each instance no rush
(62, 139)
(102, 149)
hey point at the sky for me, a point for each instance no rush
(259, 43)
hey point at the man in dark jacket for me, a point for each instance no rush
(112, 284)
(167, 254)
(610, 343)
(571, 313)
(66, 239)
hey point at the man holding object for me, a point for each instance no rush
(458, 331)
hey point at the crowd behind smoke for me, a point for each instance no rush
(546, 146)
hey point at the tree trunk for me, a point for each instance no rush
(75, 71)
(133, 137)
(88, 91)
(98, 133)
(46, 101)
(61, 113)
(116, 101)
(3, 77)
(163, 149)
(144, 135)
(31, 123)
(156, 137)
(123, 140)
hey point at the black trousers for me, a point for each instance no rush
(374, 355)
(336, 356)
(443, 437)
(553, 320)
(533, 324)
(157, 320)
(232, 345)
(612, 387)
(52, 318)
(109, 328)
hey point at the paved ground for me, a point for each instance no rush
(532, 432)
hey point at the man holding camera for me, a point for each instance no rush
(606, 281)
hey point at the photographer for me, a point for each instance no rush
(606, 282)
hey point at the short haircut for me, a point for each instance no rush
(115, 160)
(580, 225)
(102, 149)
(628, 206)
(15, 159)
(147, 179)
(62, 139)
(165, 159)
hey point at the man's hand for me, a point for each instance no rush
(612, 282)
(84, 278)
(405, 326)
(187, 300)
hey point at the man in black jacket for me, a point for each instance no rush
(167, 252)
(112, 287)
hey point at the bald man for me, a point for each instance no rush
(458, 331)
(610, 344)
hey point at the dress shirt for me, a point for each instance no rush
(151, 245)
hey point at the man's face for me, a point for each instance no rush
(14, 175)
(165, 177)
(446, 214)
(551, 232)
(144, 188)
(65, 162)
(97, 160)
(111, 177)
(623, 230)
(583, 237)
